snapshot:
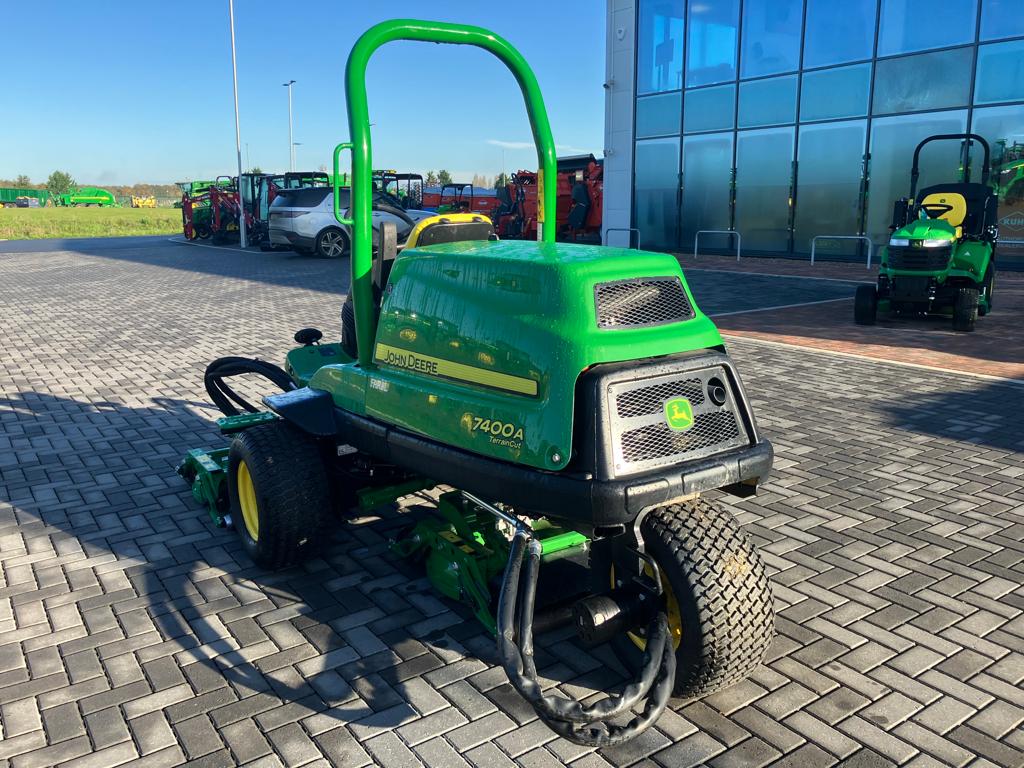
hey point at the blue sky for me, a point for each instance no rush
(120, 92)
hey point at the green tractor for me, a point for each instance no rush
(941, 255)
(572, 404)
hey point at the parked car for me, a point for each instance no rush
(304, 219)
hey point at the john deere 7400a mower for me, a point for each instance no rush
(941, 256)
(574, 399)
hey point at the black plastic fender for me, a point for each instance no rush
(311, 410)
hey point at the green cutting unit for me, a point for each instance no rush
(572, 405)
(941, 255)
(87, 196)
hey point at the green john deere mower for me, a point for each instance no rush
(571, 403)
(941, 255)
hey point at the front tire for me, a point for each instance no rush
(987, 286)
(965, 309)
(331, 243)
(279, 494)
(865, 305)
(718, 596)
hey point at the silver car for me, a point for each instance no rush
(304, 220)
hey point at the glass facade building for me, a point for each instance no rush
(788, 119)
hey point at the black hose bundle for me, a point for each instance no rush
(224, 397)
(566, 717)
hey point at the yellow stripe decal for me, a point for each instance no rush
(435, 366)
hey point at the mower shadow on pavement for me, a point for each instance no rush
(355, 636)
(281, 268)
(979, 417)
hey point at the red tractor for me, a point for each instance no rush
(579, 206)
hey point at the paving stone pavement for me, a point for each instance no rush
(133, 632)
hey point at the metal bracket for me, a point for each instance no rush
(730, 232)
(630, 230)
(865, 238)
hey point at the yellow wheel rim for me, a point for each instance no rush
(247, 501)
(675, 617)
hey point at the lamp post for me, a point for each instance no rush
(291, 144)
(238, 130)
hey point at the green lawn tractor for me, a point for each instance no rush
(941, 255)
(570, 403)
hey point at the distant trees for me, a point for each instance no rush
(256, 170)
(443, 177)
(61, 183)
(22, 181)
(431, 180)
(480, 180)
(501, 180)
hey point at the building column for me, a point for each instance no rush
(620, 51)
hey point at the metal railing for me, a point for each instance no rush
(699, 232)
(630, 230)
(865, 238)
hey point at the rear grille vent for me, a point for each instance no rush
(642, 302)
(656, 441)
(641, 402)
(921, 259)
(641, 438)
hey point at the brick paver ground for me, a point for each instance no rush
(996, 348)
(132, 632)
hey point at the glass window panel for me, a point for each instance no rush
(767, 102)
(711, 54)
(707, 171)
(925, 81)
(829, 169)
(763, 170)
(659, 59)
(893, 140)
(831, 93)
(1004, 129)
(916, 25)
(657, 183)
(1000, 72)
(709, 109)
(836, 35)
(658, 115)
(771, 36)
(1001, 18)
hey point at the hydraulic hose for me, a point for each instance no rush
(568, 718)
(227, 399)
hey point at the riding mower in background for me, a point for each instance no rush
(941, 255)
(572, 403)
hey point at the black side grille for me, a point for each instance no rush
(920, 259)
(656, 441)
(640, 402)
(642, 302)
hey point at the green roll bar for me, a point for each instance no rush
(360, 212)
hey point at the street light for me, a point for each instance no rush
(291, 144)
(294, 145)
(243, 240)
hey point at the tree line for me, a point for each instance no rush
(62, 183)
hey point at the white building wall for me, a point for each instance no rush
(618, 119)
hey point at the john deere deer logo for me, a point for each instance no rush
(679, 414)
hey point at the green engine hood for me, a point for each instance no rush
(480, 344)
(926, 229)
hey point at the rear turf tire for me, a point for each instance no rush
(286, 487)
(965, 309)
(721, 590)
(865, 305)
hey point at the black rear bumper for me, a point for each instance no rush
(579, 498)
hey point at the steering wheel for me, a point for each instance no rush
(936, 210)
